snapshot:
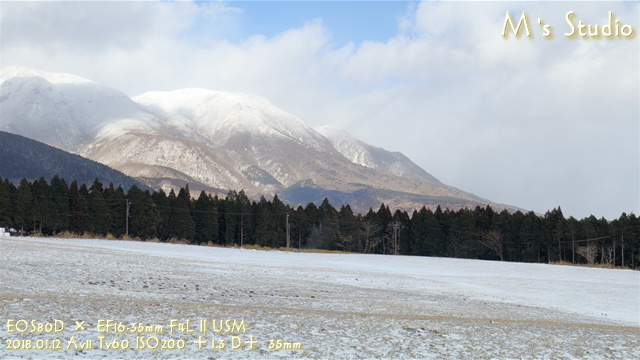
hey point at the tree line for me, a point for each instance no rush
(50, 208)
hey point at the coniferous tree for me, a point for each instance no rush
(301, 226)
(434, 235)
(399, 223)
(184, 227)
(58, 205)
(384, 220)
(264, 223)
(23, 218)
(171, 225)
(462, 235)
(42, 206)
(205, 218)
(99, 216)
(419, 232)
(278, 229)
(117, 202)
(530, 237)
(13, 195)
(244, 218)
(229, 219)
(312, 216)
(6, 206)
(77, 210)
(632, 241)
(511, 231)
(325, 234)
(161, 202)
(348, 230)
(144, 218)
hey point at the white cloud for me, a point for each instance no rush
(86, 26)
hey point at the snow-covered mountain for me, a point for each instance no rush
(61, 110)
(214, 141)
(359, 152)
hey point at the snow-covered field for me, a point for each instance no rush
(302, 305)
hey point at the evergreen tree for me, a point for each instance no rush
(244, 218)
(77, 210)
(144, 218)
(205, 218)
(301, 226)
(161, 202)
(264, 223)
(400, 222)
(463, 235)
(312, 216)
(632, 241)
(325, 234)
(6, 206)
(384, 219)
(58, 205)
(530, 234)
(279, 216)
(171, 229)
(99, 219)
(348, 230)
(184, 227)
(117, 202)
(42, 207)
(230, 227)
(434, 234)
(23, 218)
(511, 231)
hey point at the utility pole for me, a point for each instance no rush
(573, 248)
(622, 251)
(241, 230)
(288, 237)
(395, 238)
(614, 252)
(126, 232)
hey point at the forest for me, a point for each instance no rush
(55, 207)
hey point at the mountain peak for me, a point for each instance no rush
(217, 116)
(61, 110)
(361, 153)
(54, 78)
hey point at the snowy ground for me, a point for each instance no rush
(311, 306)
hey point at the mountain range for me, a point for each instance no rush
(215, 141)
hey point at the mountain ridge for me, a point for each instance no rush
(21, 157)
(221, 141)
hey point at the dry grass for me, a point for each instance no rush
(602, 266)
(258, 247)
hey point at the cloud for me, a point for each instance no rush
(83, 26)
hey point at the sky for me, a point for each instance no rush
(534, 122)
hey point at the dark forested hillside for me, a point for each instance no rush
(21, 157)
(235, 220)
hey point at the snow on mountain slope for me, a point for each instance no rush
(218, 138)
(217, 116)
(214, 139)
(61, 110)
(358, 152)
